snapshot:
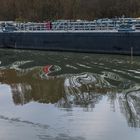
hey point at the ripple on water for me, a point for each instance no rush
(70, 66)
(84, 66)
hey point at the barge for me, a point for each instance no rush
(111, 36)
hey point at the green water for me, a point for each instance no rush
(80, 97)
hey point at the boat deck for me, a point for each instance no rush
(110, 25)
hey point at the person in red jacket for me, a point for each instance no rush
(48, 25)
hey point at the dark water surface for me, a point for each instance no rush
(68, 96)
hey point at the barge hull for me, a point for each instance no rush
(97, 42)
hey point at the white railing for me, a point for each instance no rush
(66, 25)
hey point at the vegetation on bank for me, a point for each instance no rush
(40, 10)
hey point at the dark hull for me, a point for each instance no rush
(98, 42)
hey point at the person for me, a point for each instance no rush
(48, 25)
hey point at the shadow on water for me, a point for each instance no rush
(68, 81)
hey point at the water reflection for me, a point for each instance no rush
(71, 82)
(130, 107)
(41, 84)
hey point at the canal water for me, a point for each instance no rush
(68, 96)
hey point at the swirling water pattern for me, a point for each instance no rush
(55, 95)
